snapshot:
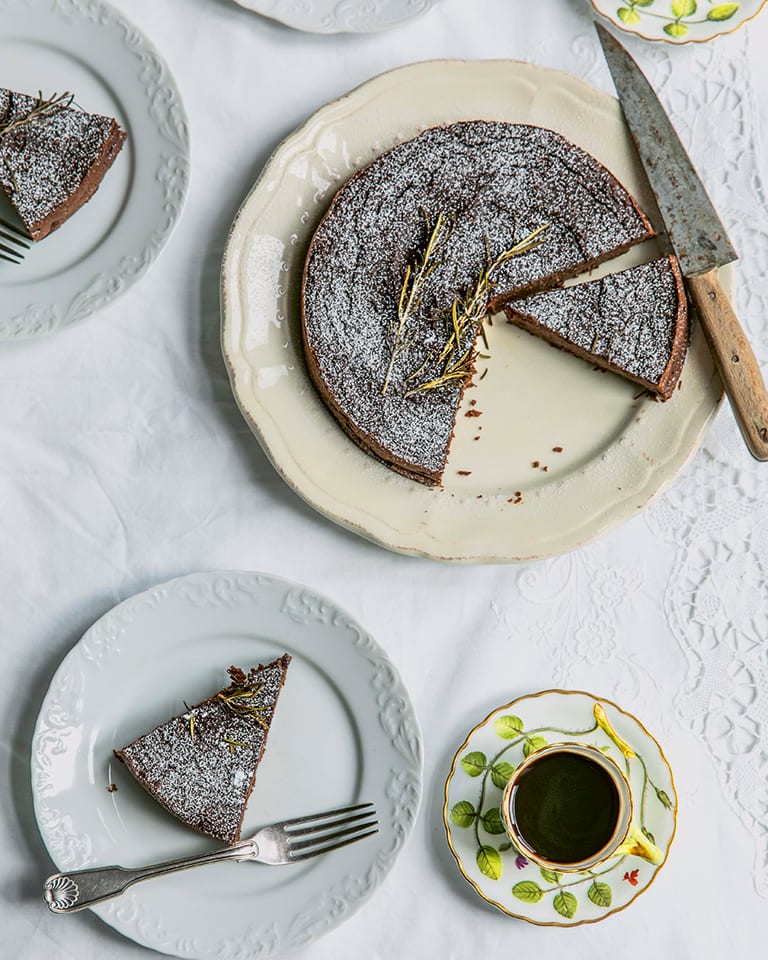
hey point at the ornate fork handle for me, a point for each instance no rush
(70, 892)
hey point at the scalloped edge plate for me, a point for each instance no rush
(345, 731)
(340, 16)
(120, 233)
(625, 878)
(622, 449)
(647, 21)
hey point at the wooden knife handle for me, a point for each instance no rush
(735, 360)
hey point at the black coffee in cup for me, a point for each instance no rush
(565, 807)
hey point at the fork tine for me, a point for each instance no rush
(4, 256)
(334, 846)
(287, 824)
(14, 229)
(319, 828)
(317, 842)
(12, 238)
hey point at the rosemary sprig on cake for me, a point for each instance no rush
(43, 109)
(466, 312)
(411, 291)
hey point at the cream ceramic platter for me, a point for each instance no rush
(473, 791)
(345, 731)
(619, 448)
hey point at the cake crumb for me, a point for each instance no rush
(476, 438)
(557, 449)
(473, 413)
(535, 464)
(463, 473)
(472, 402)
(112, 788)
(545, 469)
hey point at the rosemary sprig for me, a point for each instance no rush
(416, 275)
(233, 702)
(42, 110)
(234, 743)
(465, 313)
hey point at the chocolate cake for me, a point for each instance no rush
(634, 322)
(201, 765)
(418, 246)
(53, 157)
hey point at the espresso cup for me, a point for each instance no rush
(568, 807)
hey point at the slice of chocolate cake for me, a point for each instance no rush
(634, 322)
(418, 246)
(53, 157)
(201, 765)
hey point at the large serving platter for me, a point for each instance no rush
(511, 495)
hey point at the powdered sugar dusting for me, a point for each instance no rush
(500, 182)
(201, 764)
(43, 163)
(628, 319)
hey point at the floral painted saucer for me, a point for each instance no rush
(475, 831)
(678, 21)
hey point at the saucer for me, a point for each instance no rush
(476, 835)
(678, 21)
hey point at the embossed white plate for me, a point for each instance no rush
(561, 452)
(88, 48)
(678, 21)
(345, 730)
(339, 16)
(473, 793)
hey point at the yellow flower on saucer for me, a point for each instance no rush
(604, 724)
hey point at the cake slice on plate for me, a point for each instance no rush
(634, 323)
(201, 765)
(53, 156)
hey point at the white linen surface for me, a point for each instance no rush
(124, 461)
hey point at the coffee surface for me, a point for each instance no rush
(565, 807)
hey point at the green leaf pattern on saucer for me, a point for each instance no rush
(494, 866)
(678, 21)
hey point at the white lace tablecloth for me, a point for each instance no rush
(124, 461)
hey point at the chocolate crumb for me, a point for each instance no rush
(679, 384)
(473, 413)
(476, 438)
(472, 402)
(535, 464)
(112, 788)
(545, 469)
(557, 449)
(463, 473)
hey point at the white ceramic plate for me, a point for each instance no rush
(618, 448)
(344, 731)
(678, 21)
(88, 48)
(475, 783)
(339, 16)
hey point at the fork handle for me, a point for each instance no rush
(70, 892)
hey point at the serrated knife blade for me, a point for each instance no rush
(698, 238)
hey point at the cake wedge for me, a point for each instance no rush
(634, 322)
(201, 765)
(53, 157)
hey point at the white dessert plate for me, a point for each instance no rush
(475, 833)
(344, 731)
(339, 16)
(91, 50)
(678, 21)
(561, 452)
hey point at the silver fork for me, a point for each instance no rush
(275, 844)
(11, 234)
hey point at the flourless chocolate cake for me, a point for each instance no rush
(201, 765)
(419, 246)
